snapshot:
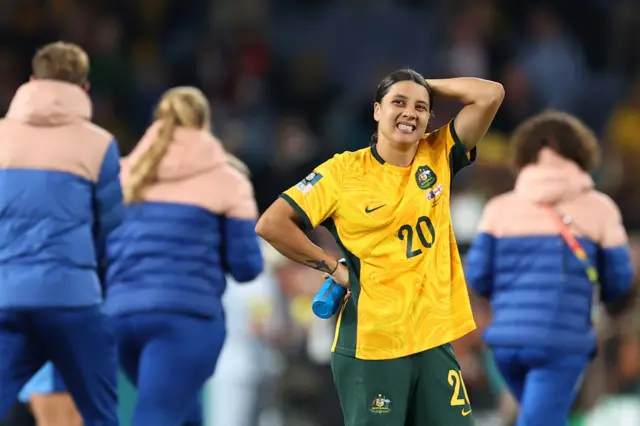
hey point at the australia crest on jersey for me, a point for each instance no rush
(380, 405)
(425, 177)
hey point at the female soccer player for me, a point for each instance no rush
(541, 253)
(388, 208)
(190, 219)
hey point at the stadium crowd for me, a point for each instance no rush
(290, 83)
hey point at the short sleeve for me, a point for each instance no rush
(316, 196)
(459, 157)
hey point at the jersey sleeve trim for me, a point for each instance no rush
(459, 156)
(306, 222)
(458, 143)
(454, 135)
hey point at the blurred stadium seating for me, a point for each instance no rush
(292, 82)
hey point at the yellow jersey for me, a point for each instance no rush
(393, 226)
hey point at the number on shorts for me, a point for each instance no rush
(455, 381)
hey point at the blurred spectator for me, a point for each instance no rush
(520, 99)
(552, 60)
(291, 83)
(623, 130)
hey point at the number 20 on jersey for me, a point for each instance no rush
(425, 231)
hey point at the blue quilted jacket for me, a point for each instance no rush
(194, 225)
(539, 291)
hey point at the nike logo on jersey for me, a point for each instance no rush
(465, 412)
(367, 210)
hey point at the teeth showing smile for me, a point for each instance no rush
(406, 128)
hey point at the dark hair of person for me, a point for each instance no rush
(564, 133)
(405, 74)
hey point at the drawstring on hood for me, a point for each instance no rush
(552, 178)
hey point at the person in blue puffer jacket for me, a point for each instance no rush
(60, 199)
(544, 251)
(190, 220)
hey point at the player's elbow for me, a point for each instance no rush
(492, 95)
(278, 223)
(497, 89)
(267, 226)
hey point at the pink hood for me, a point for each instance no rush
(552, 179)
(50, 103)
(191, 152)
(196, 171)
(48, 127)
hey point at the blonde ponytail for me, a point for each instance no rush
(180, 106)
(145, 169)
(237, 164)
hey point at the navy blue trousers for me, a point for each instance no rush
(544, 381)
(168, 357)
(81, 345)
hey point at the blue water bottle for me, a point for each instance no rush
(328, 299)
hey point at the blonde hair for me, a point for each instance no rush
(178, 107)
(61, 61)
(237, 164)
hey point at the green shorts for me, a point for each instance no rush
(422, 389)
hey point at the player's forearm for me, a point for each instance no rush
(468, 90)
(482, 99)
(286, 237)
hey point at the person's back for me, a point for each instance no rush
(190, 220)
(194, 224)
(53, 164)
(540, 292)
(60, 198)
(540, 284)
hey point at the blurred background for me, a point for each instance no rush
(291, 82)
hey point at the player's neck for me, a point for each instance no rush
(397, 154)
